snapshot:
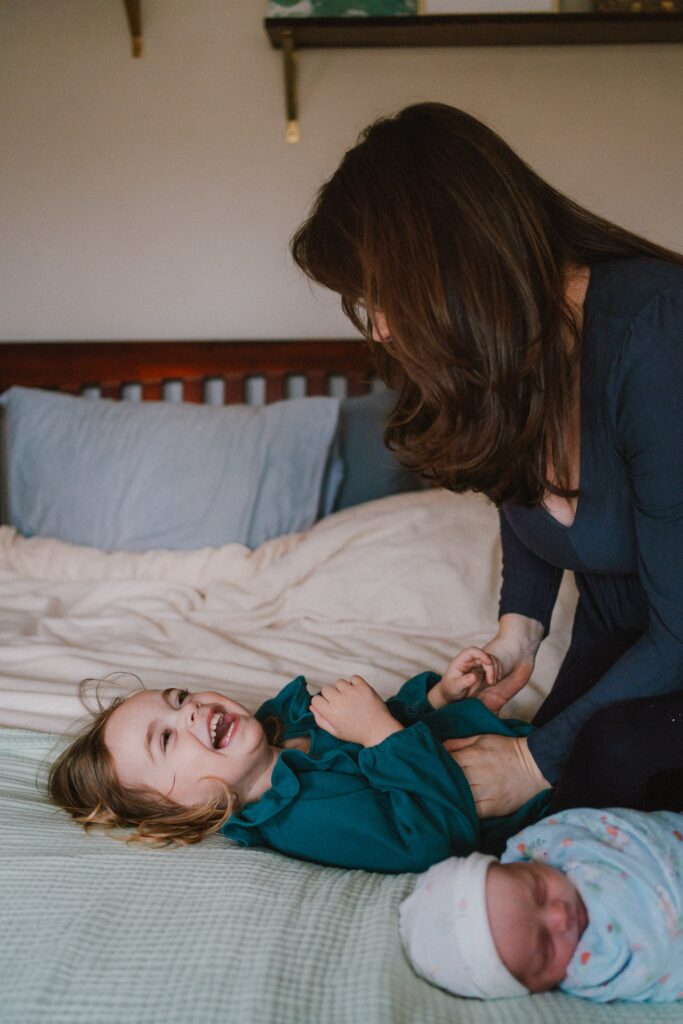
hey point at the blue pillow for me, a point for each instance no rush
(139, 475)
(370, 469)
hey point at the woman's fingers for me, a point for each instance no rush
(490, 669)
(460, 743)
(478, 673)
(497, 670)
(507, 687)
(501, 772)
(481, 779)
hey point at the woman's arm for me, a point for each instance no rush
(514, 647)
(529, 587)
(528, 593)
(648, 430)
(646, 392)
(495, 672)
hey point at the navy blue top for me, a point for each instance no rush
(401, 805)
(625, 545)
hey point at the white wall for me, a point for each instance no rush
(154, 198)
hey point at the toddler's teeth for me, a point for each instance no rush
(213, 726)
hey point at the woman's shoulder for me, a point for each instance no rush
(632, 320)
(620, 290)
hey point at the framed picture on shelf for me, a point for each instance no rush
(639, 6)
(340, 8)
(489, 6)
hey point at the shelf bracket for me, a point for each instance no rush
(134, 15)
(290, 64)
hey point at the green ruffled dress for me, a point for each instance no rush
(402, 805)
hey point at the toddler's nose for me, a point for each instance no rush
(193, 708)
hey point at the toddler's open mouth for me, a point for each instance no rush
(222, 726)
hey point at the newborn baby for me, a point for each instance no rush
(589, 900)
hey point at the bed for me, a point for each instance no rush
(96, 931)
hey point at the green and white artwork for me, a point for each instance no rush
(340, 8)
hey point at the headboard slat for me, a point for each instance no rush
(234, 390)
(71, 366)
(315, 383)
(193, 390)
(275, 387)
(152, 391)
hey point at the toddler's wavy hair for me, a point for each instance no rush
(82, 781)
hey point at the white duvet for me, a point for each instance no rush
(385, 589)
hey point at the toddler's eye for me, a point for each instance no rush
(165, 736)
(182, 696)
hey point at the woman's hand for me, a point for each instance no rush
(515, 673)
(352, 710)
(500, 770)
(495, 672)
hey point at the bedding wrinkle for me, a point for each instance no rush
(235, 620)
(383, 589)
(68, 938)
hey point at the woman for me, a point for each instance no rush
(537, 354)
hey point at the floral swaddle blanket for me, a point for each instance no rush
(628, 867)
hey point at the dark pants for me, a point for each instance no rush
(629, 754)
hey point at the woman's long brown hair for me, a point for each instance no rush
(433, 219)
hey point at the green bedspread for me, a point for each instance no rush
(94, 931)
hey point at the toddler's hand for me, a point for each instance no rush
(352, 710)
(470, 672)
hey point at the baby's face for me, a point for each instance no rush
(537, 918)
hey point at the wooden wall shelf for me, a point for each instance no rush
(584, 29)
(134, 18)
(479, 30)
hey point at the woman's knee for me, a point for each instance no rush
(604, 767)
(609, 736)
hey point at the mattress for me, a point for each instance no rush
(93, 931)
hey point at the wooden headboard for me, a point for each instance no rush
(111, 366)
